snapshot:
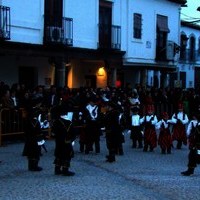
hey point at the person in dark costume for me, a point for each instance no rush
(64, 136)
(179, 121)
(34, 138)
(92, 126)
(149, 121)
(194, 146)
(114, 136)
(164, 138)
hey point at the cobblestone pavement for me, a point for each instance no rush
(135, 175)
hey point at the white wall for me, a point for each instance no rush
(85, 22)
(26, 20)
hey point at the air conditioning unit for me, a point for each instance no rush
(170, 50)
(55, 34)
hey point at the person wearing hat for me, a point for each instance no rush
(179, 121)
(164, 138)
(193, 132)
(136, 131)
(34, 138)
(64, 136)
(149, 121)
(91, 116)
(114, 136)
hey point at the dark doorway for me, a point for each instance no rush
(173, 78)
(91, 81)
(105, 24)
(183, 79)
(53, 12)
(28, 76)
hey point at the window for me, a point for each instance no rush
(199, 46)
(161, 37)
(192, 49)
(137, 25)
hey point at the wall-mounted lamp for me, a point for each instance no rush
(101, 71)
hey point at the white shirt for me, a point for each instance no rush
(135, 120)
(148, 118)
(180, 117)
(93, 111)
(189, 128)
(158, 125)
(68, 116)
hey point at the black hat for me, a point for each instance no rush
(134, 109)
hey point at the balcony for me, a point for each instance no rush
(4, 23)
(189, 56)
(59, 33)
(109, 37)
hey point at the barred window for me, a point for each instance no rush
(137, 25)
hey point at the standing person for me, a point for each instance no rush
(194, 154)
(92, 126)
(149, 121)
(164, 139)
(179, 121)
(136, 131)
(64, 136)
(191, 129)
(34, 138)
(114, 135)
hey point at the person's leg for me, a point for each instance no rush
(191, 163)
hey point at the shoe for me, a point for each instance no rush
(169, 151)
(150, 150)
(163, 151)
(110, 160)
(35, 169)
(188, 172)
(57, 170)
(68, 173)
(86, 152)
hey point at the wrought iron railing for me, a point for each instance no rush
(190, 56)
(60, 34)
(109, 36)
(4, 23)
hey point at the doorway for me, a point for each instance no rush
(91, 81)
(28, 76)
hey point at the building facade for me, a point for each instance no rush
(91, 43)
(189, 62)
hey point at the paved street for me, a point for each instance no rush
(136, 175)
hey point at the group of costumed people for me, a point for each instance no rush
(87, 124)
(177, 128)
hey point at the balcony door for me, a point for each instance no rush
(53, 13)
(105, 24)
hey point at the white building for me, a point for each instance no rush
(189, 62)
(89, 43)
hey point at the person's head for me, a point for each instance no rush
(165, 116)
(150, 109)
(180, 107)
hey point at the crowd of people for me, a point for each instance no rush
(153, 117)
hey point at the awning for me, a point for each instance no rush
(162, 23)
